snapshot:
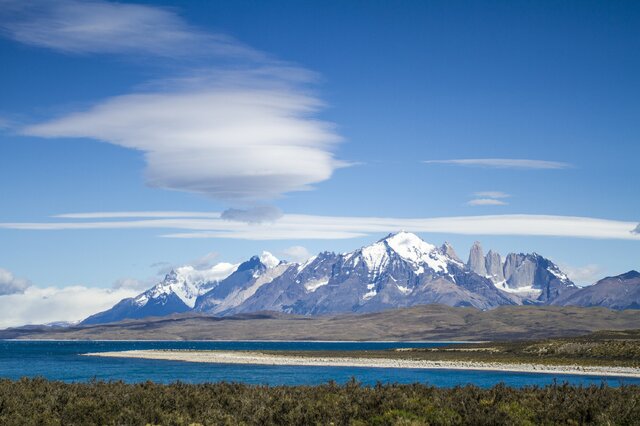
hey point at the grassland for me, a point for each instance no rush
(428, 322)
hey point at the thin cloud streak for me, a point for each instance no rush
(486, 202)
(504, 163)
(99, 27)
(293, 226)
(139, 214)
(491, 194)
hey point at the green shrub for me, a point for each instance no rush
(42, 402)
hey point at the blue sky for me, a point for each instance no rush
(312, 113)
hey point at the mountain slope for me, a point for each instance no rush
(176, 293)
(241, 284)
(425, 322)
(619, 292)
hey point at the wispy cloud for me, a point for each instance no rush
(4, 123)
(296, 253)
(253, 215)
(503, 163)
(10, 284)
(486, 202)
(491, 194)
(292, 226)
(489, 198)
(583, 275)
(133, 284)
(138, 214)
(93, 26)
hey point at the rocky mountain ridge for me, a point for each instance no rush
(400, 270)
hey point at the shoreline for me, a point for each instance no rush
(249, 341)
(258, 358)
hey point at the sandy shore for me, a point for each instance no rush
(257, 358)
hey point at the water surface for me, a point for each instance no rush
(63, 360)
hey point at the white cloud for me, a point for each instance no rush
(217, 272)
(636, 230)
(491, 194)
(10, 284)
(297, 253)
(583, 275)
(296, 226)
(237, 124)
(206, 261)
(250, 138)
(504, 163)
(132, 284)
(486, 202)
(39, 305)
(93, 26)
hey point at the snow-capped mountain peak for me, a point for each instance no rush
(408, 247)
(187, 283)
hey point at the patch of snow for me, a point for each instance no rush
(141, 300)
(375, 257)
(369, 295)
(304, 265)
(313, 285)
(527, 291)
(558, 274)
(403, 290)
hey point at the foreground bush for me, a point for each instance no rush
(42, 402)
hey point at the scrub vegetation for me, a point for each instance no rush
(42, 402)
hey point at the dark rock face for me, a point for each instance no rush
(493, 266)
(447, 250)
(532, 271)
(619, 292)
(477, 262)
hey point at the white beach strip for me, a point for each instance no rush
(257, 358)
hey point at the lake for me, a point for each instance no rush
(63, 360)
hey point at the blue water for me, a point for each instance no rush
(59, 360)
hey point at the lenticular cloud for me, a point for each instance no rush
(249, 138)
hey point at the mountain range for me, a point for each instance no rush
(400, 270)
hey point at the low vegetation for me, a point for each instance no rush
(42, 402)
